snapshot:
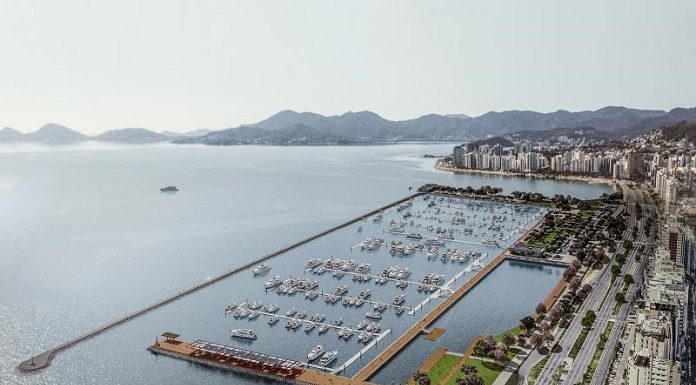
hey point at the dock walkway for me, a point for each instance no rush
(371, 368)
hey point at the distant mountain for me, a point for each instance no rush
(555, 134)
(51, 133)
(199, 132)
(673, 116)
(308, 128)
(8, 135)
(368, 127)
(132, 135)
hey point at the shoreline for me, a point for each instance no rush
(572, 178)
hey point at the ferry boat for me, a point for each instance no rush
(262, 268)
(373, 315)
(273, 320)
(169, 189)
(315, 353)
(273, 282)
(328, 358)
(243, 333)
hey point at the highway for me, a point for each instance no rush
(603, 308)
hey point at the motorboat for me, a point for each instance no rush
(244, 333)
(364, 337)
(323, 328)
(169, 189)
(273, 282)
(262, 268)
(309, 326)
(373, 315)
(254, 314)
(301, 314)
(315, 353)
(328, 358)
(337, 321)
(361, 325)
(273, 320)
(230, 307)
(291, 312)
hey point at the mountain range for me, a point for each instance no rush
(307, 128)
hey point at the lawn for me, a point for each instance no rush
(488, 371)
(442, 367)
(578, 343)
(514, 331)
(536, 370)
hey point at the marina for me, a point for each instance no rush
(396, 270)
(422, 262)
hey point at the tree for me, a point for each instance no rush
(548, 337)
(535, 339)
(615, 270)
(574, 284)
(499, 354)
(474, 379)
(628, 279)
(508, 339)
(468, 369)
(541, 308)
(620, 297)
(588, 319)
(576, 264)
(421, 378)
(528, 323)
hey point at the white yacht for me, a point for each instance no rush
(243, 333)
(273, 282)
(262, 268)
(373, 315)
(361, 324)
(364, 337)
(291, 312)
(315, 353)
(328, 358)
(273, 320)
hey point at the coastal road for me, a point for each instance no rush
(580, 367)
(593, 301)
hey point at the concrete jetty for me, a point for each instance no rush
(397, 346)
(42, 360)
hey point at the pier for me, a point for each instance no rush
(373, 366)
(42, 360)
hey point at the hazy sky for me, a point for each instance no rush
(180, 65)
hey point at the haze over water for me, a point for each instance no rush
(86, 236)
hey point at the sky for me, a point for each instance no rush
(183, 65)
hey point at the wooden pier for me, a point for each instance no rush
(373, 366)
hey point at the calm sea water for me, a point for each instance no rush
(85, 236)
